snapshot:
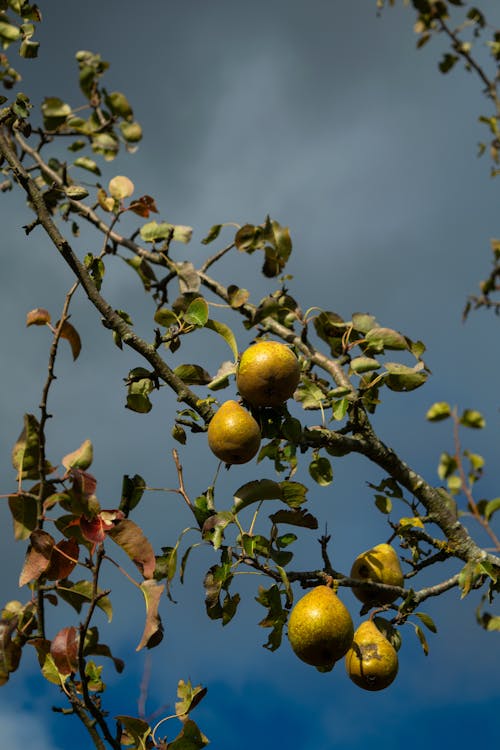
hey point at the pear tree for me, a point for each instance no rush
(301, 396)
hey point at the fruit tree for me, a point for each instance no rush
(297, 392)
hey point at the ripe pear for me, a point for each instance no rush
(268, 373)
(233, 434)
(371, 662)
(380, 565)
(320, 628)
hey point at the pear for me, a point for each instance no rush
(371, 662)
(380, 565)
(233, 434)
(268, 373)
(320, 628)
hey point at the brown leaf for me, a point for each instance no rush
(83, 483)
(130, 537)
(37, 317)
(10, 651)
(37, 557)
(143, 206)
(153, 629)
(95, 529)
(63, 559)
(70, 333)
(64, 650)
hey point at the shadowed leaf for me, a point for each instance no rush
(130, 537)
(81, 458)
(64, 651)
(37, 556)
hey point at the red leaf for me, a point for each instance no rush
(143, 206)
(37, 557)
(63, 559)
(64, 650)
(95, 529)
(83, 482)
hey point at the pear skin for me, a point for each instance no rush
(380, 565)
(233, 434)
(320, 628)
(268, 373)
(371, 662)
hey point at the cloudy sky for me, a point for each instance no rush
(326, 117)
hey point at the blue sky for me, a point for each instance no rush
(326, 117)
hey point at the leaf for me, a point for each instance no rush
(427, 621)
(221, 378)
(414, 521)
(64, 651)
(294, 493)
(10, 651)
(63, 559)
(165, 317)
(295, 517)
(153, 628)
(76, 192)
(189, 697)
(136, 731)
(383, 503)
(81, 593)
(438, 411)
(132, 492)
(320, 470)
(276, 616)
(256, 491)
(385, 338)
(37, 317)
(422, 639)
(402, 378)
(363, 322)
(491, 507)
(308, 393)
(143, 206)
(26, 451)
(129, 536)
(339, 409)
(70, 333)
(84, 162)
(24, 514)
(189, 738)
(473, 419)
(223, 330)
(37, 556)
(95, 529)
(364, 364)
(131, 131)
(237, 297)
(192, 374)
(81, 458)
(120, 187)
(197, 312)
(212, 235)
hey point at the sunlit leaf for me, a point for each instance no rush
(130, 537)
(197, 312)
(71, 335)
(38, 317)
(81, 458)
(120, 187)
(472, 418)
(153, 628)
(438, 411)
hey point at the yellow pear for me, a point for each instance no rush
(233, 434)
(268, 373)
(380, 565)
(371, 662)
(320, 628)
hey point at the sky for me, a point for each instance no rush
(325, 116)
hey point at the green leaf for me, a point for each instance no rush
(255, 492)
(197, 312)
(427, 621)
(132, 492)
(402, 378)
(81, 458)
(84, 162)
(26, 451)
(438, 411)
(82, 592)
(383, 503)
(189, 738)
(364, 364)
(189, 697)
(295, 517)
(294, 493)
(320, 470)
(153, 628)
(24, 515)
(166, 318)
(385, 338)
(473, 419)
(192, 374)
(131, 131)
(491, 507)
(447, 466)
(363, 322)
(212, 234)
(135, 730)
(223, 330)
(308, 393)
(422, 639)
(339, 409)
